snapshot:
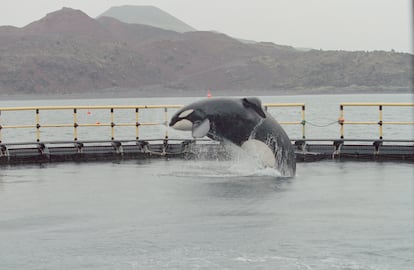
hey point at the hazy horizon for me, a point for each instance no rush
(350, 25)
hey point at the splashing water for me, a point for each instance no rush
(268, 154)
(236, 163)
(246, 163)
(253, 133)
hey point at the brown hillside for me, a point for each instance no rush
(69, 52)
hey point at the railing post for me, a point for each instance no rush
(37, 126)
(303, 122)
(380, 122)
(137, 124)
(166, 122)
(341, 120)
(75, 125)
(0, 127)
(112, 125)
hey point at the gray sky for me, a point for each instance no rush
(319, 24)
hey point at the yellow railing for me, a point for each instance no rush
(342, 122)
(38, 125)
(77, 125)
(284, 105)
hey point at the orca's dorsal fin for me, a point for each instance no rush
(255, 104)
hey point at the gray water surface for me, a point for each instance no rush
(175, 214)
(183, 214)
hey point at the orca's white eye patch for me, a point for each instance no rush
(185, 113)
(183, 124)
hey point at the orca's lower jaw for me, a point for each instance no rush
(182, 124)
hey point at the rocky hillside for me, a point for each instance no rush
(69, 52)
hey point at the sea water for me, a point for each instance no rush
(208, 214)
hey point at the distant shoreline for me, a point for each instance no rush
(162, 92)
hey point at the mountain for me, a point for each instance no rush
(67, 52)
(147, 15)
(65, 22)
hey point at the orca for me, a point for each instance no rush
(244, 122)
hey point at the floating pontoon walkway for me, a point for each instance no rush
(77, 150)
(312, 150)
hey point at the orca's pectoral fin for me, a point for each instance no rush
(255, 104)
(201, 128)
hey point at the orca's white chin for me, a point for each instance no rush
(183, 124)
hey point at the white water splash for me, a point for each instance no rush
(246, 163)
(253, 133)
(217, 169)
(284, 262)
(236, 163)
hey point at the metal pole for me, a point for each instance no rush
(137, 124)
(0, 127)
(341, 120)
(166, 122)
(380, 122)
(37, 126)
(303, 122)
(112, 125)
(75, 125)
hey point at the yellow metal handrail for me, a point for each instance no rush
(76, 125)
(301, 105)
(137, 108)
(380, 121)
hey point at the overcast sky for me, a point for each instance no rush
(319, 24)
